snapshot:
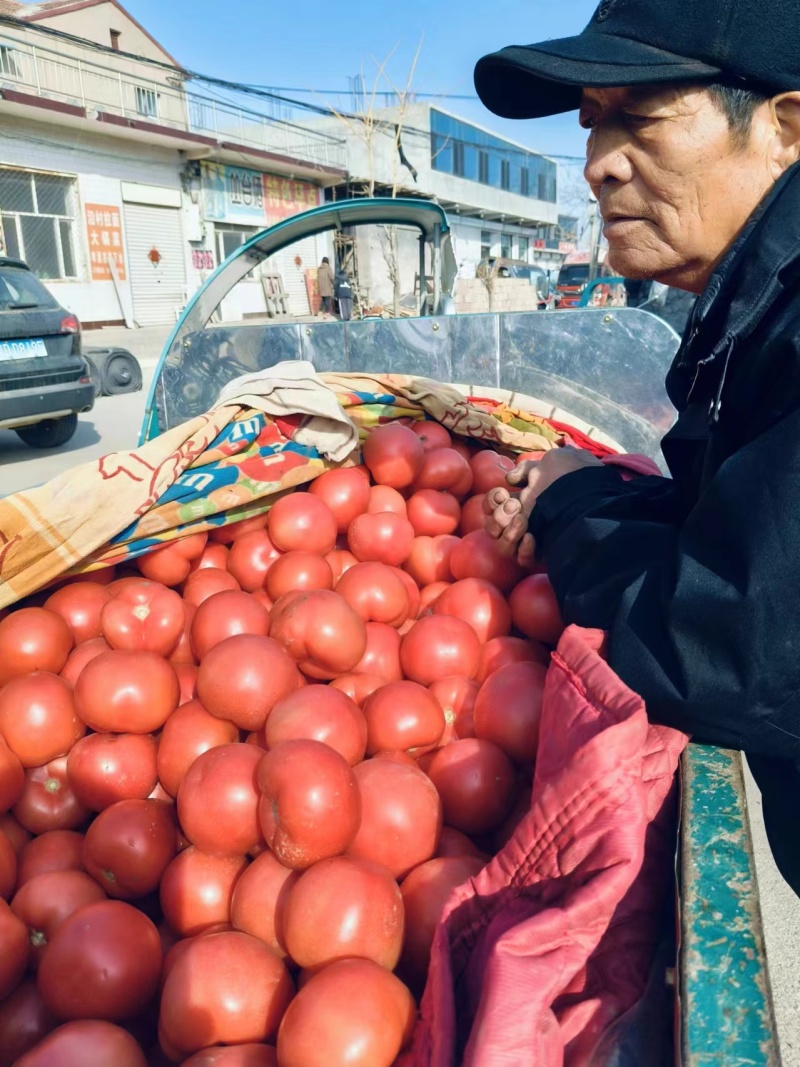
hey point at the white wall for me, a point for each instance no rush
(99, 165)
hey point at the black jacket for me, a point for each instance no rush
(697, 577)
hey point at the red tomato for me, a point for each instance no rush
(165, 565)
(454, 843)
(259, 900)
(218, 800)
(321, 632)
(103, 962)
(393, 454)
(80, 606)
(401, 816)
(489, 470)
(456, 696)
(478, 556)
(432, 512)
(383, 538)
(382, 654)
(213, 556)
(225, 615)
(133, 692)
(501, 651)
(535, 611)
(384, 498)
(438, 646)
(103, 769)
(429, 595)
(472, 516)
(8, 867)
(302, 521)
(404, 716)
(129, 846)
(144, 617)
(412, 589)
(80, 656)
(196, 890)
(243, 677)
(376, 592)
(47, 801)
(12, 778)
(43, 903)
(234, 1056)
(479, 603)
(476, 781)
(16, 949)
(226, 535)
(345, 491)
(425, 892)
(251, 556)
(14, 831)
(298, 570)
(319, 713)
(429, 559)
(432, 434)
(189, 732)
(24, 1022)
(33, 639)
(205, 583)
(227, 987)
(352, 1012)
(344, 907)
(310, 806)
(340, 561)
(183, 653)
(508, 710)
(443, 468)
(38, 719)
(186, 673)
(86, 1043)
(358, 686)
(55, 850)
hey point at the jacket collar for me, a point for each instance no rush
(763, 263)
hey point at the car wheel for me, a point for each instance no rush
(50, 433)
(121, 373)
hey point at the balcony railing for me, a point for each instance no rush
(34, 69)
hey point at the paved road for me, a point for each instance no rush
(114, 424)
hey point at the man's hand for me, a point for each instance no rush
(507, 514)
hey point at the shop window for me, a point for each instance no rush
(147, 102)
(232, 237)
(523, 248)
(505, 246)
(486, 244)
(38, 221)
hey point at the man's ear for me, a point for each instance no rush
(785, 114)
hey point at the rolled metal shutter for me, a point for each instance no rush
(158, 290)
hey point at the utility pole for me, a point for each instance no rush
(594, 241)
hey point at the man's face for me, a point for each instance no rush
(673, 185)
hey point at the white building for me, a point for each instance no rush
(123, 186)
(500, 196)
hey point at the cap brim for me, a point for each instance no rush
(533, 81)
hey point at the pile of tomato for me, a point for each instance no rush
(240, 777)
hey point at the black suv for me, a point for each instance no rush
(45, 382)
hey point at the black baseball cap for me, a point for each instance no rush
(752, 43)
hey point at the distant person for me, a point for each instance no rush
(344, 296)
(325, 285)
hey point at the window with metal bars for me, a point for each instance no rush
(147, 102)
(37, 221)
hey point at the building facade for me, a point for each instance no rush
(501, 197)
(123, 186)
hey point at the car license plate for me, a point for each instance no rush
(22, 349)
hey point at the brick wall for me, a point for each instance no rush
(508, 294)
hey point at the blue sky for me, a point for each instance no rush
(318, 44)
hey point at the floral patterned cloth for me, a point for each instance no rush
(223, 466)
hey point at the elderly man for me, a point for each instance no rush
(693, 124)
